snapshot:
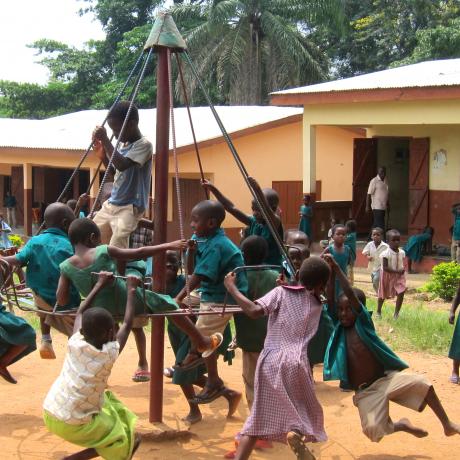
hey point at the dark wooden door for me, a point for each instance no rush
(419, 156)
(191, 193)
(291, 194)
(364, 169)
(17, 190)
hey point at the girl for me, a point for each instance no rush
(393, 275)
(306, 213)
(454, 352)
(285, 406)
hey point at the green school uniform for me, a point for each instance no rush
(250, 332)
(414, 246)
(350, 241)
(318, 344)
(305, 219)
(113, 297)
(454, 350)
(256, 228)
(335, 360)
(215, 257)
(343, 259)
(456, 229)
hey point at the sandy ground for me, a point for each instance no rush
(23, 435)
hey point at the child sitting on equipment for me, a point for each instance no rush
(213, 257)
(17, 339)
(373, 251)
(363, 362)
(256, 224)
(350, 241)
(417, 245)
(285, 405)
(181, 345)
(42, 255)
(78, 408)
(92, 257)
(392, 274)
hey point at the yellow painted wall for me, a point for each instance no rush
(334, 162)
(445, 137)
(271, 155)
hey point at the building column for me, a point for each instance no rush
(27, 206)
(93, 174)
(309, 160)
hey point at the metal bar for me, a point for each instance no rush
(160, 232)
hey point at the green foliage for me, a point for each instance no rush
(444, 280)
(16, 240)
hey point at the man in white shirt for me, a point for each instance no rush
(377, 198)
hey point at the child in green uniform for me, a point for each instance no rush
(306, 213)
(454, 351)
(256, 224)
(455, 247)
(364, 363)
(350, 241)
(92, 257)
(417, 245)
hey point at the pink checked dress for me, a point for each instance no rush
(284, 396)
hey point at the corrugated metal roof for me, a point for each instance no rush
(73, 131)
(424, 74)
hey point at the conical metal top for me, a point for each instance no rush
(165, 33)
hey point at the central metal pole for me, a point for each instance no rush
(160, 232)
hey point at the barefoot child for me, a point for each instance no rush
(213, 257)
(78, 408)
(17, 339)
(42, 255)
(373, 251)
(256, 224)
(306, 213)
(92, 257)
(454, 351)
(285, 405)
(363, 362)
(393, 274)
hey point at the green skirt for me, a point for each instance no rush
(110, 433)
(318, 344)
(454, 351)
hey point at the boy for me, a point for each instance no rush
(256, 223)
(42, 255)
(128, 200)
(363, 362)
(78, 408)
(372, 251)
(215, 256)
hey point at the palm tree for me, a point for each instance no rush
(253, 47)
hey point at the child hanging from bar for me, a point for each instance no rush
(78, 408)
(42, 255)
(285, 405)
(181, 345)
(256, 224)
(213, 257)
(363, 362)
(92, 257)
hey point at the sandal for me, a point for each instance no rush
(168, 372)
(297, 444)
(216, 340)
(141, 375)
(198, 361)
(454, 379)
(208, 395)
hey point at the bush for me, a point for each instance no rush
(16, 240)
(444, 280)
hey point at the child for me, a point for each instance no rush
(213, 257)
(454, 351)
(285, 405)
(17, 339)
(42, 255)
(5, 229)
(92, 257)
(340, 252)
(417, 245)
(78, 408)
(373, 251)
(363, 362)
(256, 223)
(350, 241)
(128, 200)
(181, 345)
(297, 253)
(455, 248)
(326, 243)
(393, 275)
(294, 236)
(306, 213)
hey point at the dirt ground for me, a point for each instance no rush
(23, 435)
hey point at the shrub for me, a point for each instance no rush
(444, 280)
(16, 240)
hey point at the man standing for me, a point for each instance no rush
(10, 205)
(377, 198)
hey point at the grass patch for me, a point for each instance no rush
(418, 328)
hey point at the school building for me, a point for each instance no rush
(410, 117)
(37, 158)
